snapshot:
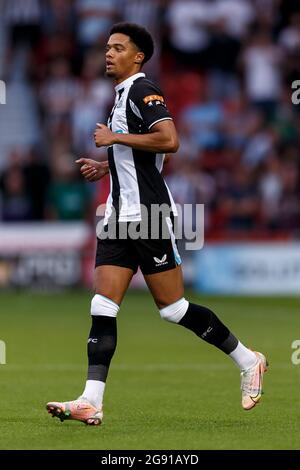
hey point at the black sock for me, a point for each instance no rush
(205, 324)
(102, 343)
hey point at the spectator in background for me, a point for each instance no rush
(23, 20)
(270, 190)
(191, 85)
(204, 121)
(284, 9)
(240, 121)
(95, 17)
(183, 181)
(189, 36)
(289, 204)
(58, 94)
(262, 60)
(92, 102)
(289, 37)
(59, 17)
(37, 180)
(191, 187)
(285, 119)
(16, 204)
(260, 142)
(240, 202)
(188, 148)
(68, 197)
(148, 13)
(223, 55)
(237, 16)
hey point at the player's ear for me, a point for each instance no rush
(139, 58)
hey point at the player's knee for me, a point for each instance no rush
(176, 311)
(102, 306)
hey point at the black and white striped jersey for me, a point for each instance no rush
(135, 175)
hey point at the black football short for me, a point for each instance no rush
(153, 254)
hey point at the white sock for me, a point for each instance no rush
(243, 357)
(93, 392)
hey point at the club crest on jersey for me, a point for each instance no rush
(160, 262)
(150, 100)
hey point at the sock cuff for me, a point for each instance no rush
(176, 311)
(102, 306)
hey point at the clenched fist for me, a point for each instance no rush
(103, 136)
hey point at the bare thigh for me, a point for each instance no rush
(166, 287)
(112, 282)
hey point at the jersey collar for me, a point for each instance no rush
(128, 81)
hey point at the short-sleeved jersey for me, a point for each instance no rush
(135, 175)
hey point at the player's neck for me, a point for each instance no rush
(124, 77)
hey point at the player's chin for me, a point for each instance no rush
(110, 73)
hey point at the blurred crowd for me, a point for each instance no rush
(226, 68)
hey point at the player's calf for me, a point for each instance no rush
(205, 324)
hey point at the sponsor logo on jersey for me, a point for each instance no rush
(150, 99)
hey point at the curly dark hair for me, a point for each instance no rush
(138, 35)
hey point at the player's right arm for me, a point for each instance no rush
(158, 133)
(92, 170)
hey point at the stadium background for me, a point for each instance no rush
(227, 68)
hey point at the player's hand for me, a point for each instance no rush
(92, 170)
(103, 136)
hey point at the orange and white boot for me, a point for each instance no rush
(80, 410)
(252, 382)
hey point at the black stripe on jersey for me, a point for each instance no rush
(151, 184)
(112, 166)
(115, 181)
(120, 92)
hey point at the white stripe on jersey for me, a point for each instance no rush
(135, 109)
(173, 241)
(173, 205)
(159, 120)
(159, 163)
(125, 167)
(109, 204)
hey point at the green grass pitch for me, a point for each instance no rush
(167, 389)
